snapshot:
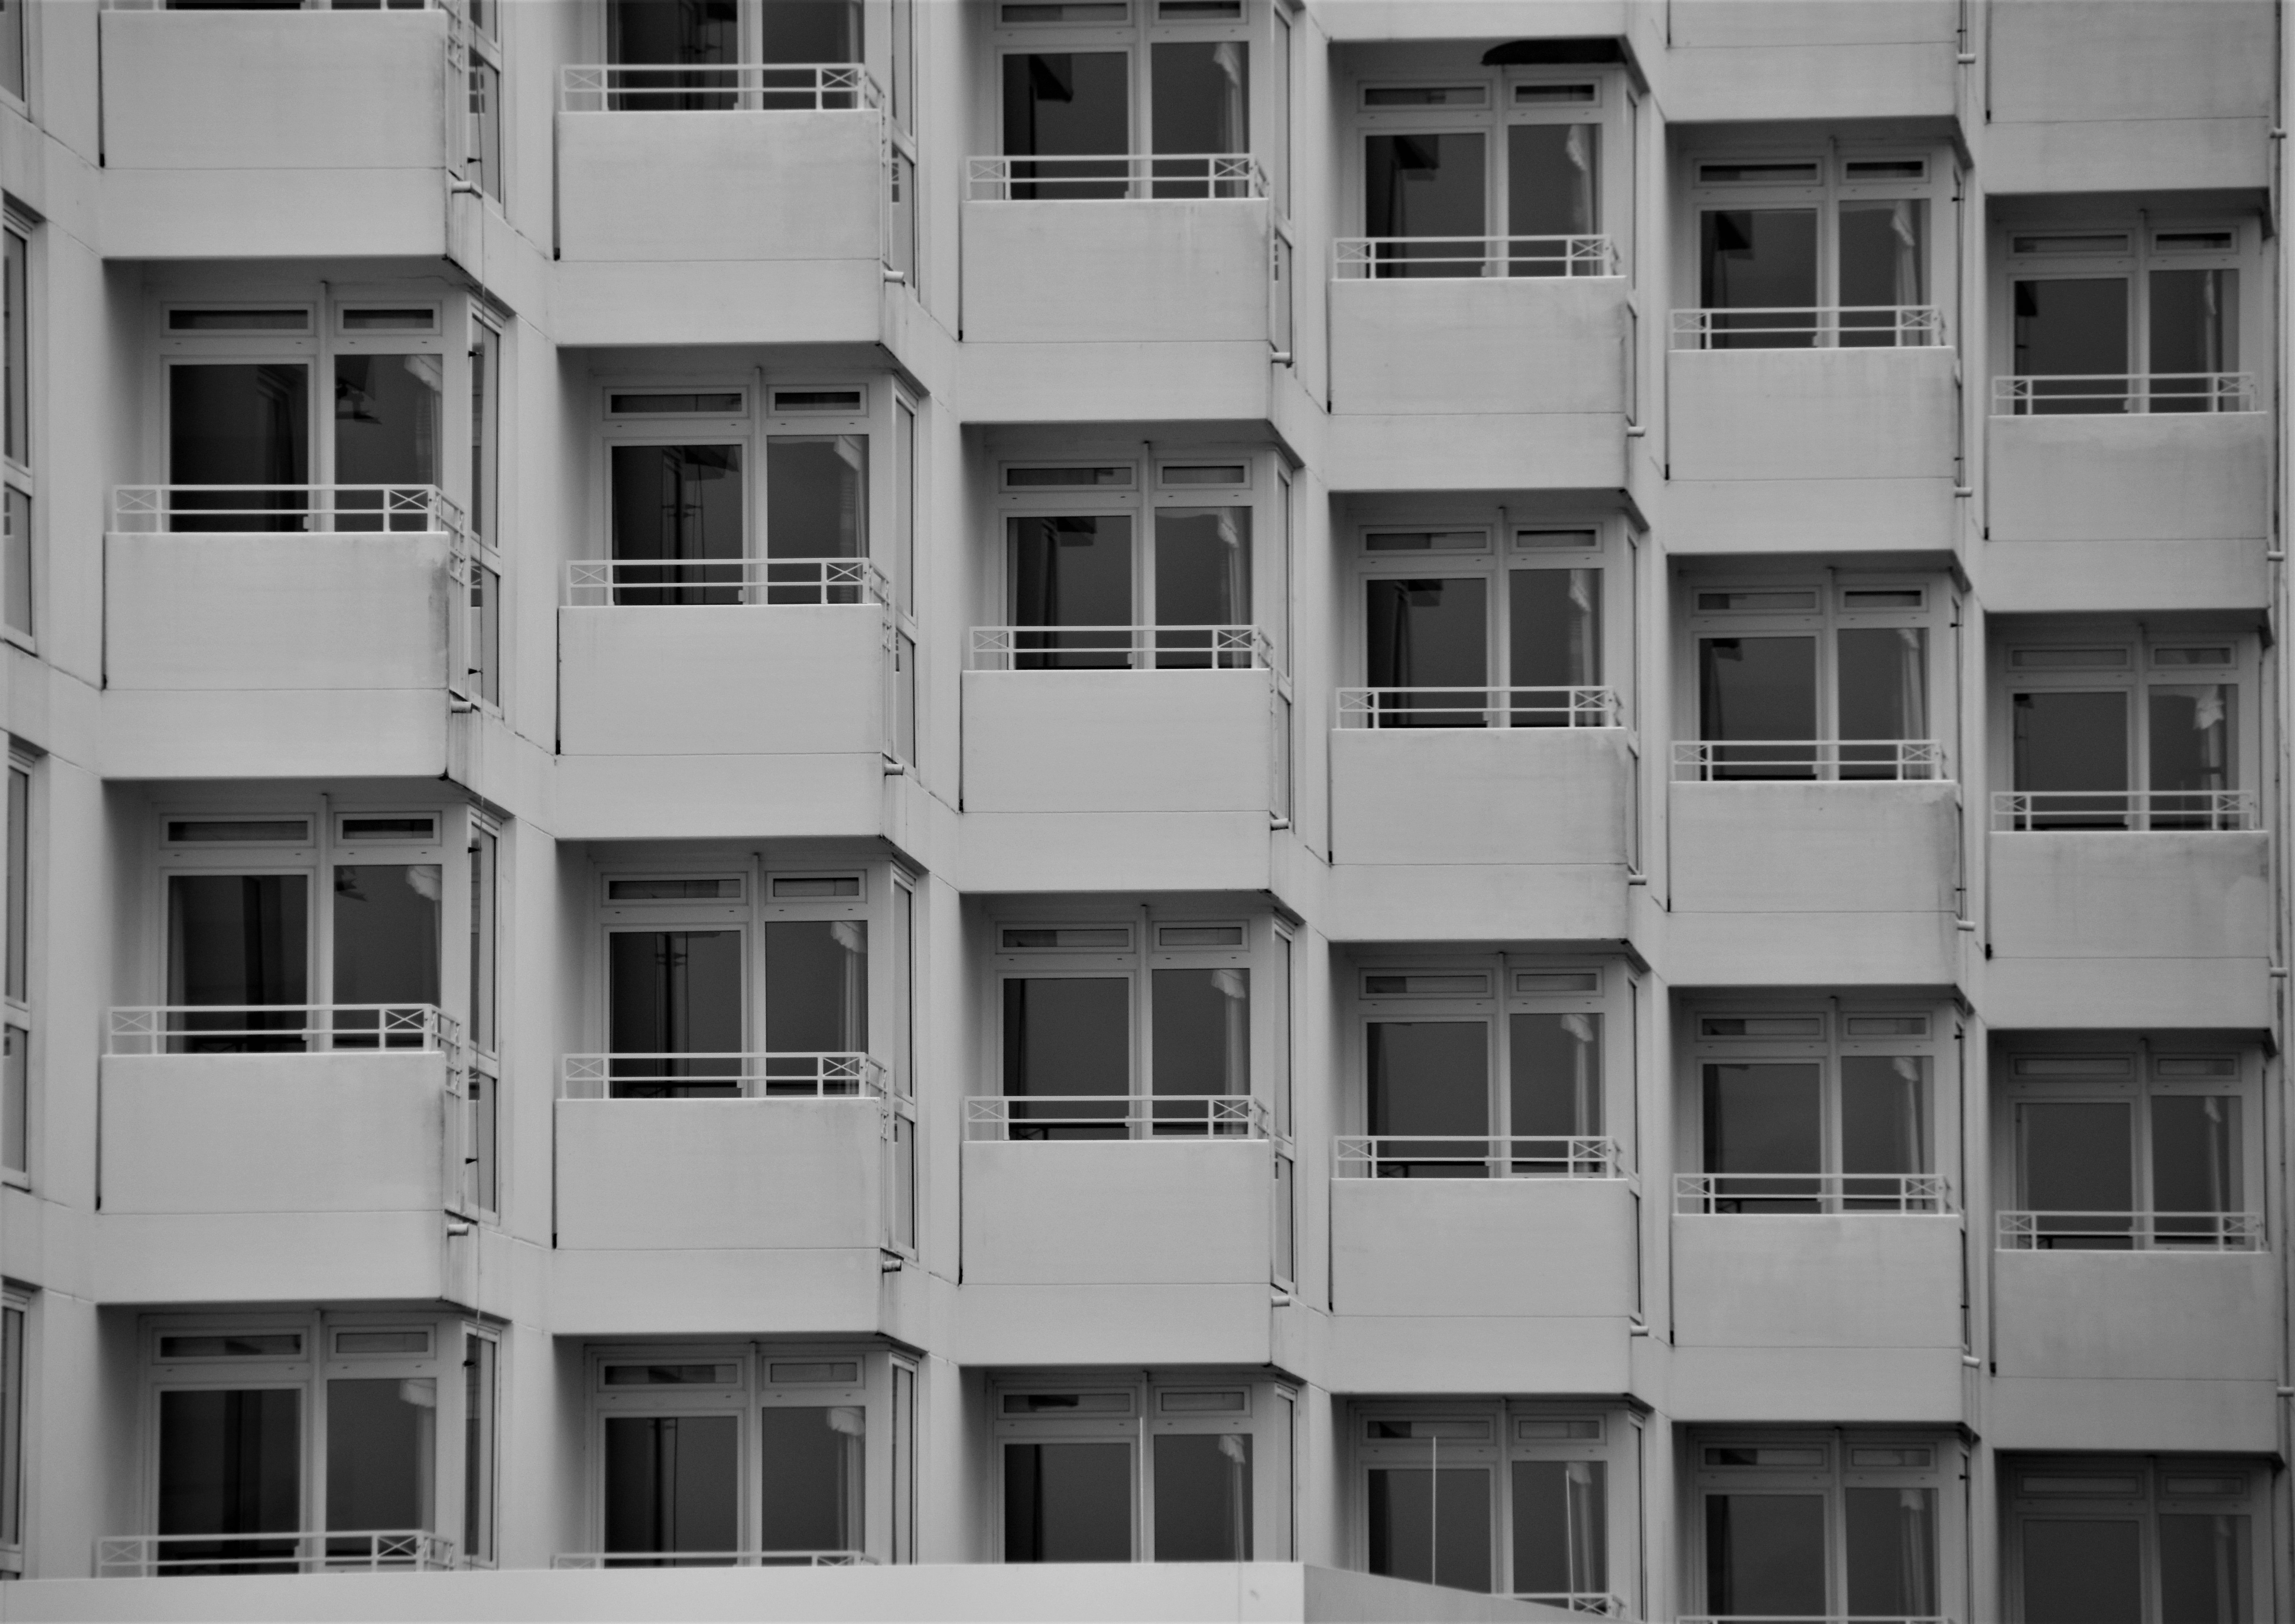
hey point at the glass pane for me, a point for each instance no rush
(1430, 1077)
(1070, 572)
(1883, 1125)
(1554, 641)
(1425, 185)
(485, 849)
(1892, 1542)
(1761, 690)
(2071, 341)
(381, 1453)
(1201, 1030)
(1200, 104)
(904, 1464)
(1550, 193)
(1560, 1548)
(672, 1483)
(1433, 1525)
(2206, 1575)
(1883, 267)
(16, 566)
(2078, 1157)
(16, 947)
(386, 944)
(11, 1426)
(811, 31)
(1203, 579)
(1067, 104)
(2194, 334)
(386, 433)
(2082, 1573)
(1883, 675)
(1765, 1553)
(674, 31)
(811, 1489)
(230, 1463)
(479, 1393)
(816, 988)
(2191, 763)
(677, 502)
(1764, 1117)
(1202, 1497)
(15, 1100)
(904, 505)
(1067, 1035)
(1555, 1077)
(816, 506)
(243, 424)
(2195, 1162)
(1763, 261)
(2073, 742)
(486, 431)
(1067, 1502)
(674, 992)
(236, 940)
(15, 362)
(1428, 635)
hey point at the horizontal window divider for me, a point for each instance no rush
(617, 87)
(713, 1559)
(1234, 647)
(1116, 176)
(1389, 258)
(2103, 394)
(166, 1028)
(305, 1551)
(1704, 761)
(1441, 1155)
(1811, 327)
(1496, 706)
(1115, 1116)
(1806, 1193)
(656, 583)
(2038, 1231)
(778, 1074)
(166, 510)
(2162, 811)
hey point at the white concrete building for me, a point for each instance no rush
(1483, 801)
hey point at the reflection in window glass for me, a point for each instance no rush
(2083, 1571)
(816, 986)
(2206, 1573)
(1067, 1502)
(1555, 1065)
(230, 1463)
(1429, 1077)
(479, 1400)
(1883, 1125)
(670, 994)
(1203, 579)
(11, 1426)
(1763, 1117)
(15, 355)
(816, 505)
(677, 505)
(1067, 104)
(15, 1100)
(386, 433)
(381, 1453)
(1201, 104)
(2194, 330)
(1765, 1553)
(1882, 672)
(1432, 1524)
(238, 424)
(1067, 1035)
(811, 1490)
(1550, 193)
(385, 943)
(2196, 1164)
(1203, 1497)
(1554, 640)
(1201, 1031)
(1428, 634)
(1893, 1552)
(1070, 572)
(1560, 1547)
(237, 940)
(1883, 267)
(2190, 753)
(1427, 186)
(671, 1484)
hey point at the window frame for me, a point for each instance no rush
(1142, 29)
(20, 1014)
(18, 478)
(16, 1462)
(2151, 1500)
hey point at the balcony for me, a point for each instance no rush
(1459, 363)
(1816, 1297)
(1434, 1271)
(1780, 420)
(1173, 741)
(727, 691)
(2128, 909)
(1112, 1228)
(276, 1154)
(174, 1555)
(276, 631)
(272, 134)
(736, 203)
(1814, 861)
(768, 1187)
(1457, 812)
(1165, 276)
(2086, 475)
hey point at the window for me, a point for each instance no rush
(1100, 575)
(481, 1446)
(1483, 624)
(2109, 728)
(1485, 176)
(1159, 1473)
(483, 1082)
(1484, 1069)
(16, 1025)
(2120, 1146)
(2103, 1539)
(16, 484)
(1519, 1500)
(15, 1312)
(2128, 317)
(13, 50)
(1815, 678)
(731, 54)
(1794, 252)
(484, 164)
(1816, 1109)
(1831, 1524)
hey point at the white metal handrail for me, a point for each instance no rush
(2038, 1231)
(1386, 258)
(1480, 707)
(164, 509)
(1453, 1155)
(713, 1559)
(592, 583)
(302, 1551)
(1705, 761)
(2054, 394)
(778, 1075)
(177, 1029)
(2212, 811)
(1593, 1603)
(616, 87)
(1723, 1192)
(1119, 176)
(1115, 1116)
(1811, 327)
(1121, 648)
(1814, 1618)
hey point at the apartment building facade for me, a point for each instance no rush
(1459, 810)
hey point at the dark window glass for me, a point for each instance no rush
(1763, 262)
(2067, 742)
(1763, 1117)
(386, 433)
(1433, 636)
(810, 31)
(671, 1484)
(238, 940)
(1427, 186)
(1069, 105)
(1203, 579)
(1555, 641)
(2195, 1162)
(811, 1490)
(1560, 1546)
(1070, 572)
(1067, 1035)
(1433, 1525)
(479, 1355)
(1757, 694)
(1202, 1497)
(15, 1108)
(1067, 1502)
(15, 364)
(1765, 1553)
(1430, 1077)
(2195, 332)
(816, 986)
(2083, 1571)
(2190, 762)
(673, 31)
(381, 1440)
(1892, 1561)
(242, 425)
(1200, 105)
(675, 992)
(1555, 1067)
(230, 1463)
(1550, 193)
(1882, 673)
(1883, 267)
(2206, 1574)
(1883, 1124)
(816, 506)
(2078, 1157)
(678, 504)
(2072, 340)
(16, 947)
(385, 943)
(1201, 1031)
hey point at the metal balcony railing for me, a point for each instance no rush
(1118, 175)
(1473, 1156)
(1480, 707)
(713, 1559)
(2023, 1231)
(718, 87)
(722, 1076)
(1722, 1193)
(162, 510)
(1811, 327)
(2099, 394)
(655, 583)
(1385, 259)
(162, 1555)
(291, 1029)
(1121, 649)
(1592, 1604)
(2161, 810)
(1797, 1617)
(1115, 1116)
(1707, 760)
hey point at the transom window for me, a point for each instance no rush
(2146, 1539)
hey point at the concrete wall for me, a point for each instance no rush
(1162, 1211)
(1146, 270)
(2194, 1317)
(1118, 741)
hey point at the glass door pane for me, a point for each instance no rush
(1765, 1554)
(1884, 1127)
(674, 33)
(1764, 1117)
(1554, 641)
(1757, 705)
(1883, 677)
(386, 433)
(2077, 1159)
(1550, 193)
(2206, 1573)
(1066, 1036)
(2195, 1166)
(1067, 1502)
(816, 1000)
(1426, 186)
(679, 508)
(816, 506)
(1560, 1546)
(1893, 1552)
(382, 1457)
(1066, 573)
(2195, 328)
(386, 942)
(2190, 755)
(236, 940)
(239, 425)
(1554, 1064)
(2071, 343)
(1432, 1524)
(1430, 640)
(1883, 269)
(671, 1485)
(1762, 262)
(811, 1483)
(2072, 751)
(1201, 1031)
(1203, 579)
(1075, 105)
(1202, 1497)
(1433, 1078)
(230, 1463)
(1200, 105)
(2083, 1572)
(672, 993)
